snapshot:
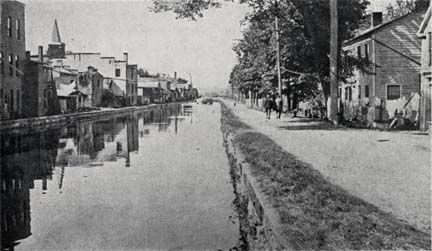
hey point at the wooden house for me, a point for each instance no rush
(388, 84)
(425, 35)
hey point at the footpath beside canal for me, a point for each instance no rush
(284, 203)
(61, 119)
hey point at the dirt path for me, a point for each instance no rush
(391, 170)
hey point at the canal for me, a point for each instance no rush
(141, 181)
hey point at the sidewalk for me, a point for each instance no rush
(391, 170)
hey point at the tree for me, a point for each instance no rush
(304, 38)
(189, 9)
(399, 8)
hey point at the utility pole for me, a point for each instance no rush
(278, 51)
(333, 109)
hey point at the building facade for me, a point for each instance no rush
(425, 35)
(12, 56)
(388, 84)
(90, 83)
(113, 70)
(40, 90)
(132, 84)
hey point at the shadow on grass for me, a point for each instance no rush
(316, 214)
(310, 125)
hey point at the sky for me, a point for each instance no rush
(157, 42)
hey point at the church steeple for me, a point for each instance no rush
(56, 49)
(56, 34)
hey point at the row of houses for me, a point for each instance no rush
(57, 81)
(395, 80)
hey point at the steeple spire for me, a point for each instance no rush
(56, 34)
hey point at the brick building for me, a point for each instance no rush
(425, 35)
(12, 54)
(388, 84)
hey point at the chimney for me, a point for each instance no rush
(125, 57)
(376, 19)
(422, 4)
(40, 53)
(175, 75)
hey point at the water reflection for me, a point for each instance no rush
(26, 158)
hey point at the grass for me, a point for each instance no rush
(316, 214)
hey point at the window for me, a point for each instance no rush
(359, 52)
(430, 48)
(9, 26)
(16, 65)
(117, 72)
(18, 99)
(18, 29)
(1, 64)
(366, 50)
(11, 100)
(10, 64)
(393, 92)
(346, 93)
(349, 93)
(366, 91)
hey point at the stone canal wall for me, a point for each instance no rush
(63, 119)
(259, 222)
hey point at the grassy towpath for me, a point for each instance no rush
(315, 213)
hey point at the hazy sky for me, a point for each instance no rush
(157, 42)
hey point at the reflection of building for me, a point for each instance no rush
(132, 133)
(24, 159)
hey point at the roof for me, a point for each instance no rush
(367, 33)
(115, 89)
(83, 53)
(425, 22)
(63, 70)
(12, 1)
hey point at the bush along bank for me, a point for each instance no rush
(286, 204)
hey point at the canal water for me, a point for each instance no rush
(151, 180)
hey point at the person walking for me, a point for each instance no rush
(268, 105)
(278, 107)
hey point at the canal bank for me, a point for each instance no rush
(63, 119)
(287, 204)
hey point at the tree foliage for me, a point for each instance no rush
(399, 8)
(304, 28)
(189, 9)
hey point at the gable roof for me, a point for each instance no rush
(425, 22)
(367, 33)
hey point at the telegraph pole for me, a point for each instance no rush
(333, 109)
(278, 51)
